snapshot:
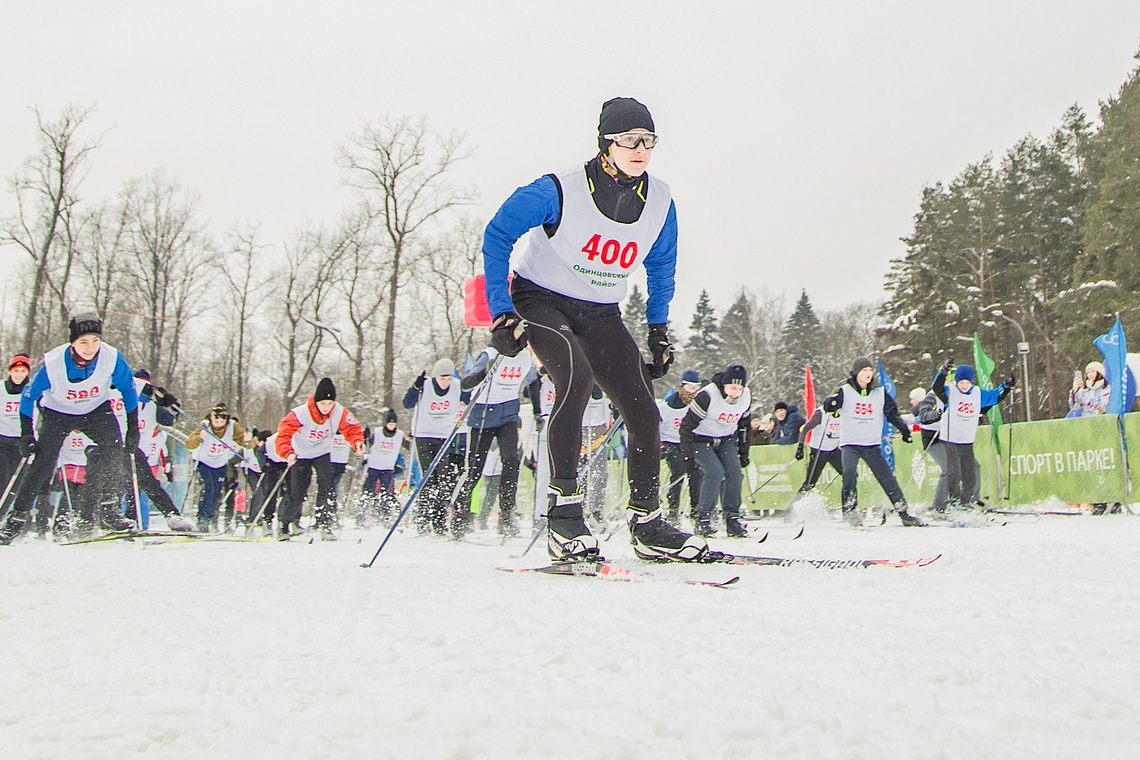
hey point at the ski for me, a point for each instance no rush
(586, 568)
(767, 534)
(609, 571)
(715, 584)
(130, 535)
(828, 564)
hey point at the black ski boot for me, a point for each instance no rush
(507, 527)
(568, 538)
(909, 520)
(11, 529)
(734, 527)
(112, 520)
(703, 527)
(655, 539)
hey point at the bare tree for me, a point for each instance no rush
(45, 227)
(305, 290)
(100, 257)
(168, 260)
(398, 166)
(248, 289)
(446, 264)
(360, 280)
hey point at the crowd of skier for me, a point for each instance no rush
(84, 440)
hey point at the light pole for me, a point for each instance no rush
(1023, 349)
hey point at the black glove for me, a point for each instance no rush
(906, 436)
(27, 445)
(419, 383)
(799, 452)
(661, 350)
(744, 458)
(131, 439)
(538, 423)
(1011, 380)
(947, 365)
(162, 397)
(503, 336)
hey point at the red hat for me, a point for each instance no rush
(19, 359)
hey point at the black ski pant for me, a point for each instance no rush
(105, 462)
(961, 473)
(581, 343)
(267, 484)
(873, 456)
(677, 471)
(816, 461)
(300, 476)
(149, 485)
(479, 443)
(435, 493)
(9, 462)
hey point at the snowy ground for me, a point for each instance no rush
(1023, 641)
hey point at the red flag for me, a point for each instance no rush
(808, 394)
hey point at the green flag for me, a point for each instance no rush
(985, 367)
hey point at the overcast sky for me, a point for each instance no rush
(797, 137)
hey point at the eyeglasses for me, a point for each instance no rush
(631, 139)
(219, 415)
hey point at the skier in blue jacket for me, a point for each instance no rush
(593, 226)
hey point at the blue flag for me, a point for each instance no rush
(1115, 350)
(888, 429)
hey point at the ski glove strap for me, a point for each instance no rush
(507, 335)
(661, 350)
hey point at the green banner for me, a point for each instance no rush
(1076, 460)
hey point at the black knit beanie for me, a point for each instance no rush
(622, 115)
(734, 373)
(85, 323)
(326, 391)
(390, 416)
(860, 364)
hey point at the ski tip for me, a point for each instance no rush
(762, 538)
(800, 533)
(928, 560)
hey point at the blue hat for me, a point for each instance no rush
(964, 372)
(690, 376)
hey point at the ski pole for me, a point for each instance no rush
(443, 450)
(4, 509)
(268, 498)
(135, 487)
(776, 474)
(541, 528)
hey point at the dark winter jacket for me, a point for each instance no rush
(834, 403)
(692, 419)
(788, 430)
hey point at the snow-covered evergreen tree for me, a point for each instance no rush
(703, 348)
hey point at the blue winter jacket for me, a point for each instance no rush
(538, 204)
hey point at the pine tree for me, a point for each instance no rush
(801, 340)
(704, 346)
(1111, 225)
(633, 312)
